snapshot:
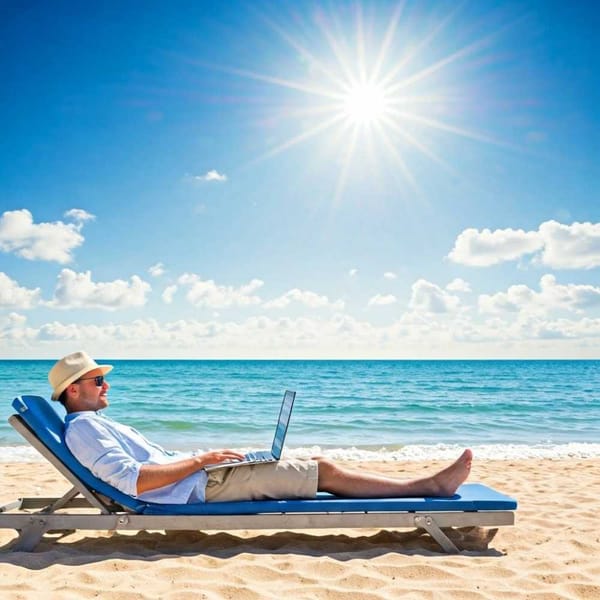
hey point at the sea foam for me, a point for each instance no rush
(16, 454)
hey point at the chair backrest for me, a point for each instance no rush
(49, 427)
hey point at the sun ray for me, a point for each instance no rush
(294, 85)
(421, 147)
(432, 123)
(462, 53)
(421, 99)
(399, 160)
(349, 76)
(343, 175)
(360, 46)
(298, 139)
(405, 60)
(321, 110)
(305, 53)
(387, 41)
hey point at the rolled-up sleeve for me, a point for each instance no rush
(96, 447)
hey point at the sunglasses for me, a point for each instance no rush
(98, 380)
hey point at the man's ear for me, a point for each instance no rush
(72, 391)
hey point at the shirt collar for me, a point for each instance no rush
(74, 415)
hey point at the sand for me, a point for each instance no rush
(553, 551)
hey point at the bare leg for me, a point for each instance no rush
(354, 484)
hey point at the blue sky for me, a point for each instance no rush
(300, 179)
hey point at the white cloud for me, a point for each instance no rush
(485, 248)
(13, 330)
(208, 294)
(12, 295)
(38, 241)
(284, 336)
(382, 300)
(77, 290)
(539, 328)
(212, 175)
(337, 336)
(13, 320)
(310, 299)
(157, 270)
(515, 298)
(168, 294)
(551, 297)
(428, 297)
(79, 215)
(571, 296)
(390, 275)
(353, 272)
(559, 246)
(575, 246)
(458, 285)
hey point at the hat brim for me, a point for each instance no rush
(75, 376)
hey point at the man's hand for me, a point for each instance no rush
(219, 456)
(151, 477)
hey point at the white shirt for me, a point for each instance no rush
(115, 453)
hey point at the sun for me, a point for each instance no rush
(374, 97)
(365, 104)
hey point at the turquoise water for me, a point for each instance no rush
(353, 406)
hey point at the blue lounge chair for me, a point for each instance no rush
(110, 509)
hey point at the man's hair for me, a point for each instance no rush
(63, 398)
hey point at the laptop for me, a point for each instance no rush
(265, 456)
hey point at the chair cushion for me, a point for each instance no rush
(470, 497)
(49, 426)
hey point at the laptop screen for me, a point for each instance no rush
(282, 423)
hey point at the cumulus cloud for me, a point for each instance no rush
(12, 295)
(556, 245)
(212, 175)
(168, 294)
(283, 335)
(77, 290)
(13, 330)
(458, 285)
(206, 293)
(429, 297)
(485, 248)
(382, 300)
(79, 215)
(38, 241)
(337, 335)
(157, 270)
(390, 275)
(310, 299)
(551, 297)
(575, 246)
(513, 300)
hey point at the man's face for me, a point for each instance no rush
(84, 394)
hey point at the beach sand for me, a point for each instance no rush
(552, 552)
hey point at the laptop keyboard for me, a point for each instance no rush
(258, 457)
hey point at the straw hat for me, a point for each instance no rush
(70, 369)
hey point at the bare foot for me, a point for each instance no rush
(448, 480)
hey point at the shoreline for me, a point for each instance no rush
(387, 454)
(552, 552)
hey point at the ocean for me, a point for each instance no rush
(359, 409)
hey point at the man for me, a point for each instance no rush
(124, 458)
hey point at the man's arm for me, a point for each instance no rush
(151, 477)
(93, 443)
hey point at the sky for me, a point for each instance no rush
(278, 179)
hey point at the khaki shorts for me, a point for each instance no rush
(286, 479)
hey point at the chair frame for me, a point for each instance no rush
(34, 517)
